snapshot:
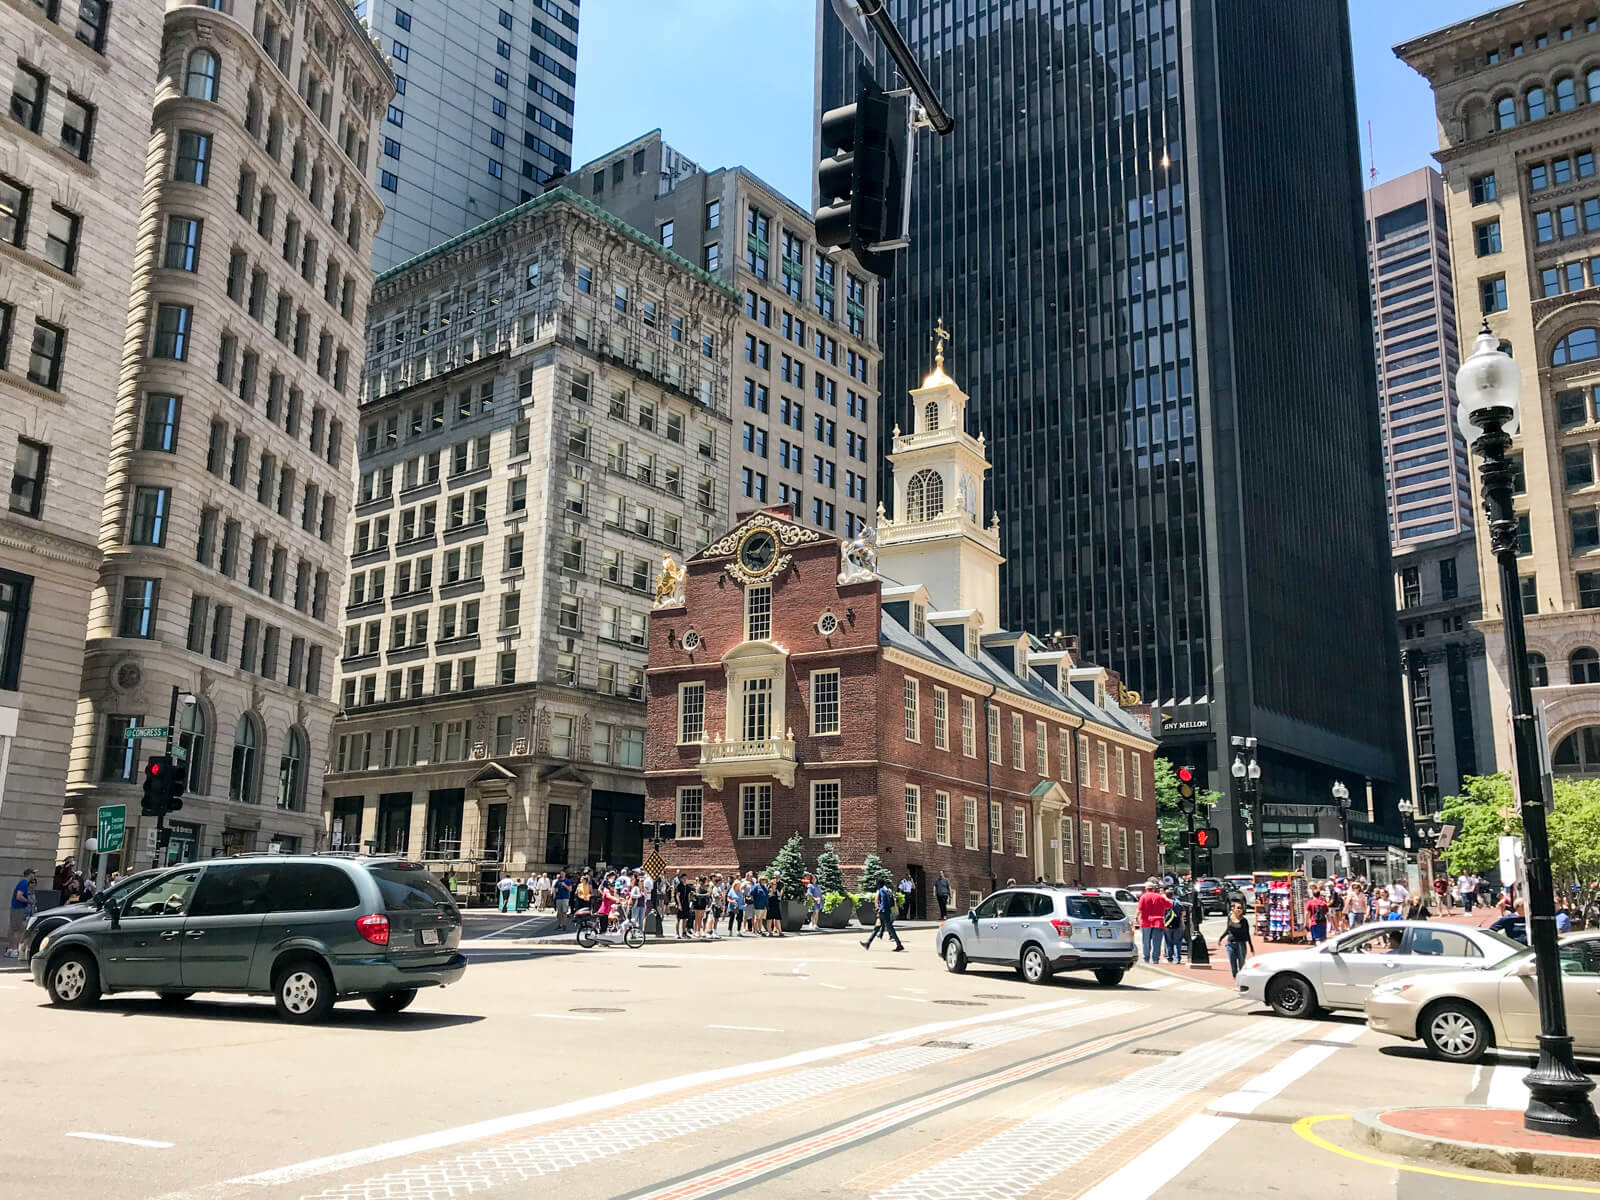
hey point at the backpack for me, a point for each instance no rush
(1172, 918)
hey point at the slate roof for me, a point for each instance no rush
(986, 669)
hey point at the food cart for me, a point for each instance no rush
(1280, 905)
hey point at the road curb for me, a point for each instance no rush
(1552, 1160)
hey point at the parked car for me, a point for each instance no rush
(1241, 888)
(1458, 1015)
(1214, 896)
(304, 929)
(1127, 901)
(1040, 929)
(1342, 971)
(45, 920)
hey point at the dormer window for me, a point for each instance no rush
(757, 613)
(919, 620)
(972, 641)
(930, 416)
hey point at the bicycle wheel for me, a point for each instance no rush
(587, 936)
(633, 937)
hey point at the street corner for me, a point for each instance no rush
(1477, 1137)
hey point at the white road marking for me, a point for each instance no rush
(1161, 1163)
(838, 987)
(147, 1143)
(747, 1028)
(1027, 1155)
(799, 968)
(1506, 1089)
(505, 929)
(918, 991)
(585, 1107)
(1163, 981)
(909, 999)
(568, 1017)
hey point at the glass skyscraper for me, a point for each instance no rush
(1146, 233)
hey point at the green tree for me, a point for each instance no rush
(874, 874)
(788, 870)
(1174, 825)
(829, 877)
(1486, 810)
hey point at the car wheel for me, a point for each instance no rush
(1455, 1031)
(1291, 995)
(392, 1002)
(1109, 976)
(303, 991)
(1035, 967)
(955, 958)
(173, 997)
(74, 980)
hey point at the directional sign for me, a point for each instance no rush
(110, 826)
(144, 731)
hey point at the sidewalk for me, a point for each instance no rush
(1486, 1139)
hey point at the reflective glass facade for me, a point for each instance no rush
(1146, 235)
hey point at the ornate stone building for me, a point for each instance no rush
(862, 694)
(229, 480)
(546, 418)
(1518, 98)
(71, 139)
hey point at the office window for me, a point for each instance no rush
(691, 801)
(194, 157)
(1492, 294)
(93, 17)
(1483, 188)
(28, 476)
(119, 759)
(149, 525)
(45, 356)
(138, 615)
(1016, 741)
(399, 51)
(172, 332)
(941, 719)
(182, 251)
(991, 720)
(969, 822)
(61, 239)
(29, 91)
(969, 732)
(77, 126)
(755, 810)
(912, 721)
(14, 200)
(1486, 237)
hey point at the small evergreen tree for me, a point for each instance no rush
(829, 877)
(874, 874)
(788, 870)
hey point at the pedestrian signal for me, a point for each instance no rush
(1205, 838)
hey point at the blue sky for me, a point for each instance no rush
(729, 82)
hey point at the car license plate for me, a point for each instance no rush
(430, 937)
(1102, 931)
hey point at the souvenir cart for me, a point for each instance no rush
(1280, 905)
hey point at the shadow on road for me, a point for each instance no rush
(350, 1014)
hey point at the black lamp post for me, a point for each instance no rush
(1341, 797)
(1488, 390)
(1247, 792)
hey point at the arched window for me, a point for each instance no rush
(930, 416)
(252, 113)
(1579, 752)
(1505, 111)
(1566, 94)
(242, 776)
(274, 136)
(192, 738)
(1538, 670)
(1591, 83)
(1584, 666)
(967, 494)
(1535, 100)
(200, 78)
(924, 496)
(291, 772)
(1578, 346)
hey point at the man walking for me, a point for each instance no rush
(885, 904)
(561, 889)
(508, 890)
(23, 898)
(1153, 908)
(941, 893)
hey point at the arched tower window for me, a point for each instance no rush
(930, 416)
(924, 495)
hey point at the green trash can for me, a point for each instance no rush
(522, 897)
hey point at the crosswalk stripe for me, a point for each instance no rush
(1506, 1089)
(1025, 1156)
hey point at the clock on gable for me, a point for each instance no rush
(758, 552)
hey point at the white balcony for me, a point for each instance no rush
(759, 758)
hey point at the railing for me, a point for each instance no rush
(751, 757)
(772, 747)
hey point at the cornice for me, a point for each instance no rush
(49, 545)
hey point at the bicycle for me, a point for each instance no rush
(591, 930)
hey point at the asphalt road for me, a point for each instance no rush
(799, 1067)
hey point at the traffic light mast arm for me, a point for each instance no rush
(873, 11)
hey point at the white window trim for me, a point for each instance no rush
(1122, 847)
(969, 727)
(678, 812)
(1138, 777)
(937, 840)
(1086, 843)
(816, 783)
(941, 700)
(1138, 849)
(1019, 829)
(1085, 767)
(913, 709)
(739, 834)
(973, 802)
(1019, 742)
(682, 688)
(912, 789)
(1105, 843)
(1069, 839)
(1041, 750)
(1122, 771)
(838, 731)
(1101, 760)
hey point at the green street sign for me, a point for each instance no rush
(111, 823)
(180, 754)
(144, 731)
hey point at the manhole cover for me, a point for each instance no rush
(1156, 1052)
(995, 996)
(964, 1003)
(597, 1010)
(611, 991)
(785, 975)
(949, 1045)
(659, 966)
(892, 968)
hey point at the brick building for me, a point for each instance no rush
(796, 686)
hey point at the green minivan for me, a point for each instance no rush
(304, 929)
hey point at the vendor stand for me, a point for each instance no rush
(1280, 905)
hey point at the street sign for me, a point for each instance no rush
(1446, 833)
(144, 731)
(110, 826)
(179, 754)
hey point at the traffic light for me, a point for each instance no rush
(1205, 838)
(155, 783)
(1186, 790)
(863, 177)
(177, 781)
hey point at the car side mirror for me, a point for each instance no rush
(1330, 948)
(1525, 970)
(115, 913)
(972, 914)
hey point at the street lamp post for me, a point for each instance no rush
(1488, 390)
(1247, 783)
(1408, 812)
(1341, 797)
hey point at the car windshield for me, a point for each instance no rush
(1094, 908)
(409, 887)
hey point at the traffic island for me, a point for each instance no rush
(1484, 1139)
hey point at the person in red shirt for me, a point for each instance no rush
(1317, 914)
(1153, 908)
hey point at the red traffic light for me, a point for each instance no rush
(1202, 838)
(1186, 774)
(155, 768)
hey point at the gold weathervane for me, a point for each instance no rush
(937, 375)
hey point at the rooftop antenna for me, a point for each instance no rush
(1372, 158)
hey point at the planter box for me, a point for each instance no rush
(794, 915)
(839, 918)
(867, 914)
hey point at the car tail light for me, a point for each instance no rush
(374, 927)
(1063, 928)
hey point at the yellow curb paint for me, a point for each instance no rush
(1305, 1128)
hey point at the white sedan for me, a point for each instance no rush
(1341, 972)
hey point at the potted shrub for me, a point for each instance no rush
(788, 872)
(873, 876)
(837, 904)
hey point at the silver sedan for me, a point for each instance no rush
(1341, 972)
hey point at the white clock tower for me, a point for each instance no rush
(937, 536)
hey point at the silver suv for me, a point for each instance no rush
(1040, 929)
